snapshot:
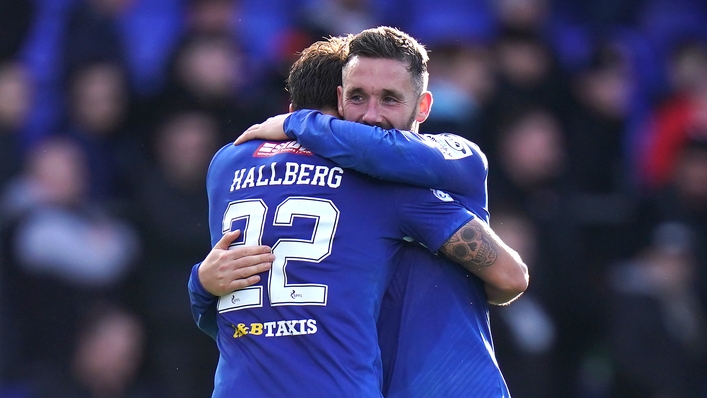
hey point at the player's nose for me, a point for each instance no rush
(372, 116)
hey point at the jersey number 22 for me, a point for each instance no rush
(315, 249)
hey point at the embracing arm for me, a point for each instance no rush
(227, 268)
(224, 270)
(442, 225)
(476, 247)
(433, 161)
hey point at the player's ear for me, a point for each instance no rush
(340, 99)
(424, 106)
(291, 108)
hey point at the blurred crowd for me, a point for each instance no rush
(593, 115)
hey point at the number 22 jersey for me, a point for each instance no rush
(308, 328)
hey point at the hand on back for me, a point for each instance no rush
(225, 270)
(270, 130)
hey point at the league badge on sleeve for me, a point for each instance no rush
(452, 147)
(441, 195)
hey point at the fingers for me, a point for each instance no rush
(247, 276)
(243, 138)
(235, 252)
(227, 239)
(247, 135)
(232, 274)
(241, 283)
(270, 129)
(226, 268)
(240, 267)
(242, 277)
(238, 257)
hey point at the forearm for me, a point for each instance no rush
(203, 304)
(393, 155)
(476, 247)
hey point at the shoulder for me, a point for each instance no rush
(229, 152)
(224, 151)
(225, 159)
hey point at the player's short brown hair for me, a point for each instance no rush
(316, 74)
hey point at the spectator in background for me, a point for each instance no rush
(531, 175)
(532, 157)
(462, 80)
(597, 126)
(657, 323)
(137, 35)
(684, 111)
(560, 26)
(525, 332)
(523, 15)
(63, 35)
(107, 355)
(171, 212)
(211, 17)
(97, 118)
(207, 73)
(528, 73)
(603, 200)
(684, 200)
(15, 98)
(93, 33)
(60, 252)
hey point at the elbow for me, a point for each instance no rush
(516, 280)
(510, 288)
(521, 279)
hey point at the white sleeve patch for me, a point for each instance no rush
(441, 195)
(452, 146)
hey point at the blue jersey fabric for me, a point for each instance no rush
(203, 304)
(443, 161)
(434, 332)
(434, 329)
(308, 328)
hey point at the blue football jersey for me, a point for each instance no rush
(308, 329)
(435, 336)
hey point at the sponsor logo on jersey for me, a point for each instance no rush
(294, 327)
(452, 147)
(268, 149)
(441, 195)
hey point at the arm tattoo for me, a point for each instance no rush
(472, 245)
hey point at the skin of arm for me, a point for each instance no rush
(478, 249)
(227, 269)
